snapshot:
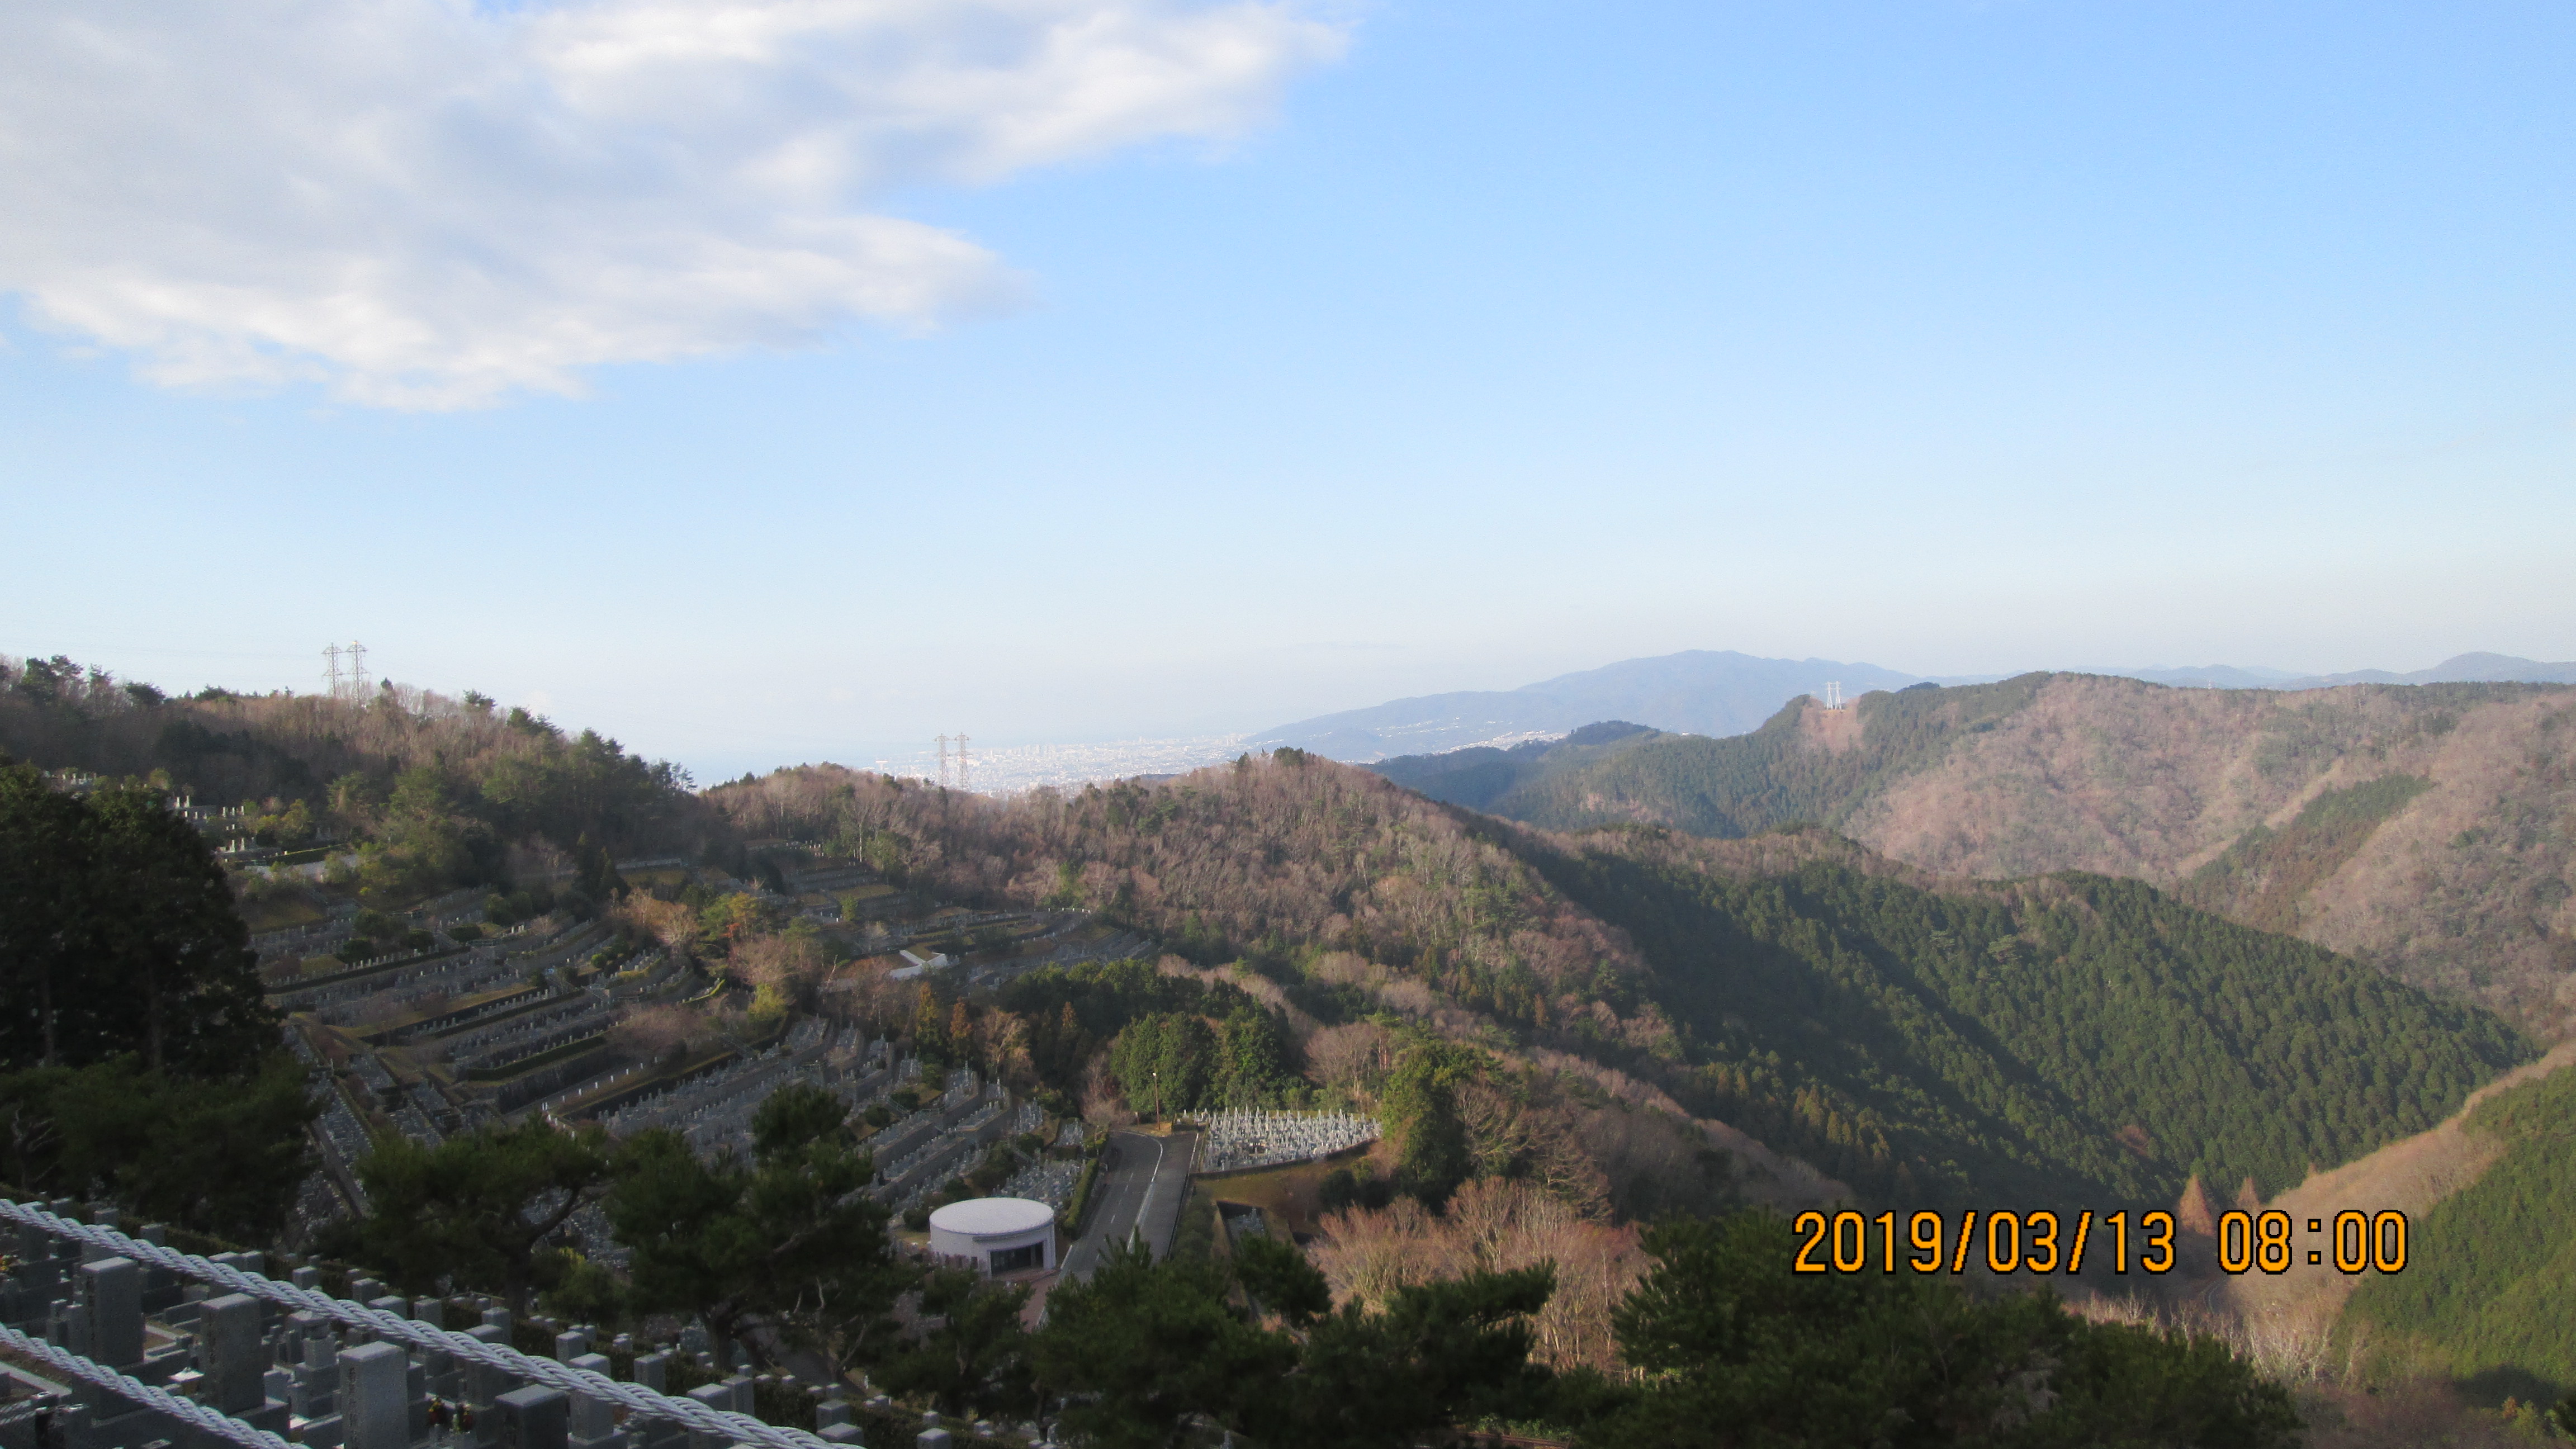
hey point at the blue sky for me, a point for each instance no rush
(1356, 351)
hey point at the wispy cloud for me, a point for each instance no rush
(425, 204)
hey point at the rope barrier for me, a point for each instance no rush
(151, 1396)
(635, 1398)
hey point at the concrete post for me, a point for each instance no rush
(373, 1378)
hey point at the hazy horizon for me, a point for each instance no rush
(1087, 370)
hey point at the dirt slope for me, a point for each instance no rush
(2410, 1176)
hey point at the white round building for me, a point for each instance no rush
(1001, 1234)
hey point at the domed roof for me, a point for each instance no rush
(988, 1217)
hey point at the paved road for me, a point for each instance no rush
(1140, 1187)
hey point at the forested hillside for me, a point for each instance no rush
(1996, 1039)
(1479, 776)
(2429, 830)
(1929, 1040)
(439, 788)
(2491, 1269)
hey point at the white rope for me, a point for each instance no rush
(151, 1396)
(635, 1398)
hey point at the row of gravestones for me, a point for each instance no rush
(303, 1376)
(313, 1381)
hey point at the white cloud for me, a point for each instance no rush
(424, 204)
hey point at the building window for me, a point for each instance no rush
(1017, 1260)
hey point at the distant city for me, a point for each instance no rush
(1016, 769)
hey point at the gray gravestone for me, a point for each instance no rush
(714, 1396)
(594, 1421)
(112, 1288)
(374, 1380)
(532, 1418)
(484, 1384)
(235, 1353)
(652, 1370)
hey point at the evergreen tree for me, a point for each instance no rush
(480, 1211)
(120, 934)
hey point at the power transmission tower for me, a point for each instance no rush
(943, 762)
(331, 658)
(357, 669)
(1833, 694)
(961, 760)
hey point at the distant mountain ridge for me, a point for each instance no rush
(1723, 692)
(2421, 828)
(1698, 691)
(2476, 668)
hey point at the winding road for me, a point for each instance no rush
(1141, 1185)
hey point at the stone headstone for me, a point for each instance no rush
(593, 1419)
(112, 1290)
(932, 1439)
(571, 1345)
(235, 1354)
(432, 1311)
(366, 1290)
(714, 1396)
(374, 1380)
(484, 1384)
(840, 1434)
(652, 1370)
(745, 1399)
(531, 1418)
